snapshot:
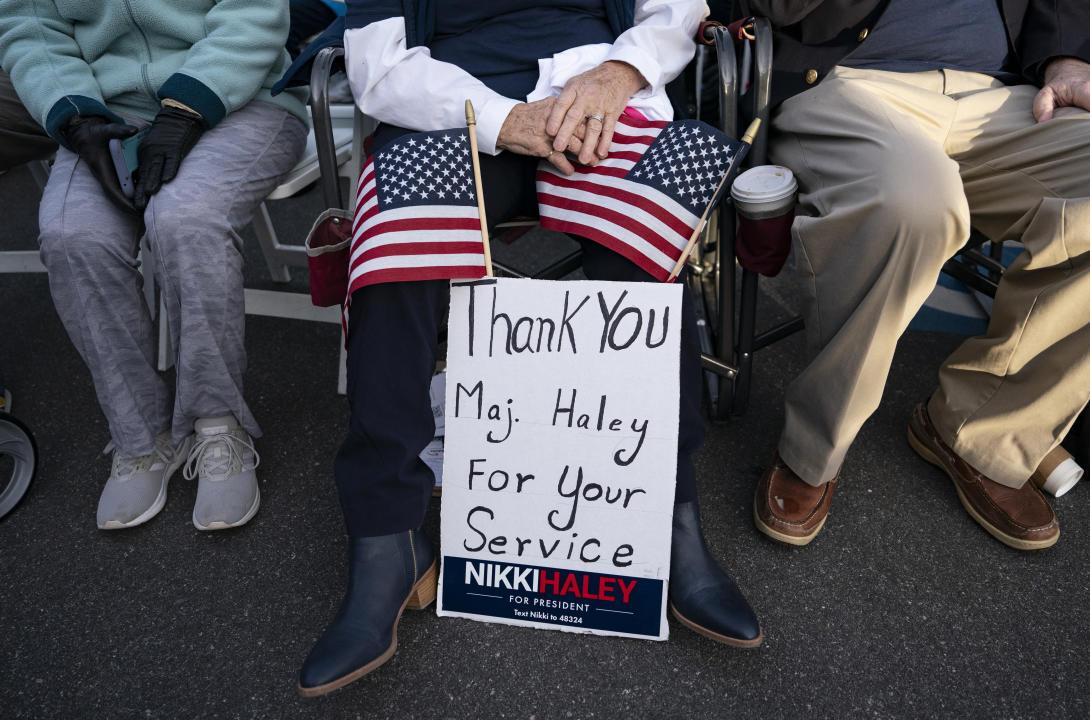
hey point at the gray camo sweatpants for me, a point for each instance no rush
(192, 226)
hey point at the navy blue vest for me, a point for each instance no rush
(420, 29)
(420, 16)
(912, 37)
(500, 42)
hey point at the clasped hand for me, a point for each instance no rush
(579, 123)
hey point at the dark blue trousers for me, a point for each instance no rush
(393, 338)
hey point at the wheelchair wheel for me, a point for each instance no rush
(18, 461)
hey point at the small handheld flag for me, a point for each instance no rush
(417, 212)
(650, 196)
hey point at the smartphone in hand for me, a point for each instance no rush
(124, 154)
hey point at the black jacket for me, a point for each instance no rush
(812, 36)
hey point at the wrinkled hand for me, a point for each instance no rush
(169, 139)
(602, 91)
(89, 136)
(1067, 84)
(523, 132)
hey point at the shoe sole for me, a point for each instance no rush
(725, 639)
(219, 525)
(1017, 543)
(160, 501)
(796, 540)
(421, 596)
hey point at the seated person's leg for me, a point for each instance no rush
(384, 487)
(701, 595)
(1006, 398)
(193, 225)
(393, 338)
(881, 208)
(89, 247)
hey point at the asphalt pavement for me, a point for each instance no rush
(902, 607)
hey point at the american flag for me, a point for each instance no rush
(416, 213)
(646, 198)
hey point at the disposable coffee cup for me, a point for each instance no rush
(764, 197)
(1057, 473)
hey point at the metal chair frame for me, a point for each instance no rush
(729, 292)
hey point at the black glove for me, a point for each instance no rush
(89, 136)
(169, 139)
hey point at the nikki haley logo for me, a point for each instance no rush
(550, 582)
(582, 601)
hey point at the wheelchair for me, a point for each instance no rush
(726, 308)
(18, 456)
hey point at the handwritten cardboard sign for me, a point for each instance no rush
(561, 454)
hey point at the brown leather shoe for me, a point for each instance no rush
(1019, 517)
(788, 509)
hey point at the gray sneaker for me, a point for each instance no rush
(223, 460)
(137, 487)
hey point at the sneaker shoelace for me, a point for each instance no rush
(219, 463)
(126, 467)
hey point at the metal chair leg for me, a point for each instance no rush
(271, 248)
(747, 321)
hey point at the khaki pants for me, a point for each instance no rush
(893, 168)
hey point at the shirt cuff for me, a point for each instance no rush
(69, 105)
(651, 71)
(490, 119)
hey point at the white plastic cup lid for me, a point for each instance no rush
(764, 183)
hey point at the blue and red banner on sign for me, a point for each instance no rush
(575, 599)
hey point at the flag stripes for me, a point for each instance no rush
(645, 199)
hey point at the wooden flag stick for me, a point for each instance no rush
(471, 121)
(747, 139)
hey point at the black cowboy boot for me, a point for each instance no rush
(386, 574)
(702, 597)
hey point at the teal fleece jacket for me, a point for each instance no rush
(68, 57)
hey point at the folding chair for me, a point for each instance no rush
(25, 261)
(730, 335)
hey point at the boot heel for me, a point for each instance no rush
(423, 592)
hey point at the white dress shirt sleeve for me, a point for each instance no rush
(660, 44)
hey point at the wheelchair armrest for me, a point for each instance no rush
(726, 40)
(762, 87)
(728, 79)
(326, 62)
